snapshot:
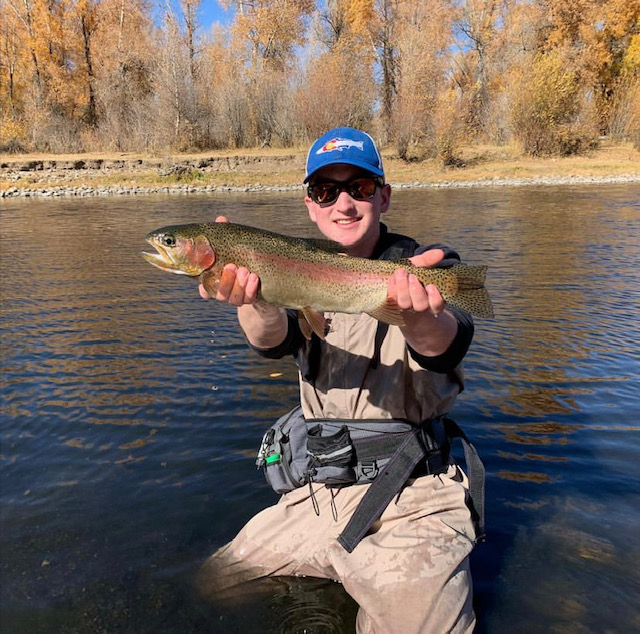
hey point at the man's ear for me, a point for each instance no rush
(385, 193)
(310, 208)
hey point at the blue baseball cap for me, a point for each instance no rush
(344, 145)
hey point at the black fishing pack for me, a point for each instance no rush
(296, 451)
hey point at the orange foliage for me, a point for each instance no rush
(91, 74)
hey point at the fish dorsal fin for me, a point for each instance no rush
(388, 312)
(312, 321)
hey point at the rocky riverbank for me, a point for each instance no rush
(133, 190)
(127, 175)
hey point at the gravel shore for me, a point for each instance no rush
(84, 190)
(120, 190)
(56, 177)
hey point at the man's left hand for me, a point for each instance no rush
(409, 293)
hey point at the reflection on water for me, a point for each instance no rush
(568, 575)
(131, 412)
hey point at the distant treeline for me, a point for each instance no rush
(424, 75)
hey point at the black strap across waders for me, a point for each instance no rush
(389, 482)
(476, 474)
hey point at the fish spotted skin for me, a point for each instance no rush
(304, 273)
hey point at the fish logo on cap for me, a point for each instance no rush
(340, 144)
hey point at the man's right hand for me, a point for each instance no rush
(264, 325)
(238, 286)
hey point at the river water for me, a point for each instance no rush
(131, 412)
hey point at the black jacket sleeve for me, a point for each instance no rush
(291, 343)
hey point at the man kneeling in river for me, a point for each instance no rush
(381, 506)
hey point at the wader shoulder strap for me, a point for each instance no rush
(476, 475)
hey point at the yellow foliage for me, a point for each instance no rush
(359, 15)
(11, 131)
(271, 29)
(551, 61)
(631, 60)
(546, 107)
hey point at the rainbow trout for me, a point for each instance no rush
(306, 274)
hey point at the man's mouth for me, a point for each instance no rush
(347, 221)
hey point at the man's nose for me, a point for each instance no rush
(345, 203)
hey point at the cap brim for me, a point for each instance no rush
(363, 165)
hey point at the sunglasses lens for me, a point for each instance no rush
(362, 188)
(327, 193)
(324, 193)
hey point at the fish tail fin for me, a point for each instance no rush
(475, 301)
(471, 295)
(469, 277)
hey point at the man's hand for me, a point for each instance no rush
(424, 332)
(238, 286)
(410, 294)
(264, 325)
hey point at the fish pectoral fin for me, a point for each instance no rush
(210, 280)
(304, 326)
(312, 321)
(389, 312)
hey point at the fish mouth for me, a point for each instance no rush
(160, 259)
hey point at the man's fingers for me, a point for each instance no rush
(236, 298)
(418, 294)
(227, 280)
(410, 294)
(222, 219)
(428, 258)
(403, 295)
(436, 302)
(251, 290)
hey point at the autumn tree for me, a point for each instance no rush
(338, 87)
(625, 106)
(422, 36)
(36, 46)
(11, 88)
(264, 35)
(335, 92)
(598, 33)
(125, 60)
(478, 35)
(547, 107)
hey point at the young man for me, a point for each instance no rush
(407, 567)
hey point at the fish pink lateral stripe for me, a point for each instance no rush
(318, 271)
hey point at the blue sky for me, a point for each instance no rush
(211, 11)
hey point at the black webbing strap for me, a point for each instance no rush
(476, 475)
(386, 485)
(398, 470)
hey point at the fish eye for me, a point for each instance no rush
(168, 240)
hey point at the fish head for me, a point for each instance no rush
(181, 251)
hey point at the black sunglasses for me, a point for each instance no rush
(327, 192)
